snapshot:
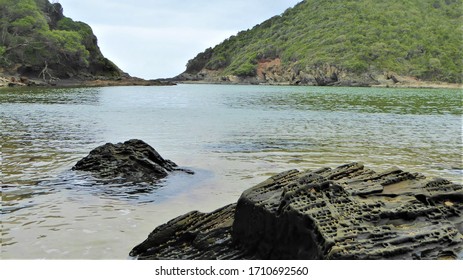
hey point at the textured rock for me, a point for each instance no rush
(349, 212)
(192, 236)
(133, 160)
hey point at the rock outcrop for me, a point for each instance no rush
(272, 72)
(349, 212)
(133, 160)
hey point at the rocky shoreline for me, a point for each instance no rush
(341, 79)
(349, 212)
(415, 84)
(20, 81)
(273, 72)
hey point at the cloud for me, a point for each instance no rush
(155, 52)
(153, 39)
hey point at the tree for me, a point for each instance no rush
(37, 36)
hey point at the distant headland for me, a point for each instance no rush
(349, 43)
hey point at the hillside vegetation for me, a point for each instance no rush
(37, 40)
(334, 41)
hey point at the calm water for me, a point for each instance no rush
(232, 136)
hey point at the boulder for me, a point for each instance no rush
(350, 212)
(133, 160)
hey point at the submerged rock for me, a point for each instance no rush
(349, 212)
(133, 160)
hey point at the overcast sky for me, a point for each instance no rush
(155, 39)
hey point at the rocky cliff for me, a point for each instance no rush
(345, 43)
(349, 212)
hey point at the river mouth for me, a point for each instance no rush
(233, 137)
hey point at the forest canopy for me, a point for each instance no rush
(36, 39)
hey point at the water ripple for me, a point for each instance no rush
(232, 137)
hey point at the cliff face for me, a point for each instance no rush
(38, 41)
(342, 43)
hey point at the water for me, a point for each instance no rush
(233, 137)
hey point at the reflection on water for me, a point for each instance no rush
(363, 100)
(42, 130)
(232, 137)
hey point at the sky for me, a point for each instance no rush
(155, 39)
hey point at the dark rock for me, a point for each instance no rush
(133, 160)
(192, 236)
(55, 13)
(392, 77)
(349, 212)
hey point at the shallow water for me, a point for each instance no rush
(232, 137)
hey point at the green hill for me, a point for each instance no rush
(344, 42)
(38, 41)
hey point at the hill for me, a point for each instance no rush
(38, 41)
(348, 42)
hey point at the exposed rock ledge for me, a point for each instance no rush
(273, 72)
(349, 212)
(133, 160)
(21, 81)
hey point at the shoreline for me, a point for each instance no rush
(14, 81)
(416, 85)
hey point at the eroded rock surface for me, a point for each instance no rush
(194, 235)
(133, 160)
(349, 212)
